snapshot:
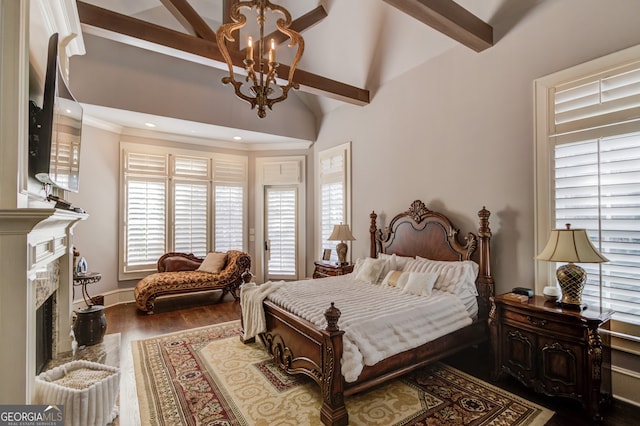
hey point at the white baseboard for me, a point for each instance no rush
(625, 385)
(111, 298)
(117, 297)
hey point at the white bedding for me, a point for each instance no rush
(378, 322)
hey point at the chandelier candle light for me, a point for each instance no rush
(571, 245)
(262, 91)
(341, 233)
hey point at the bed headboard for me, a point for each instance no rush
(426, 233)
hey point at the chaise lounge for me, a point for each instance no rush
(180, 273)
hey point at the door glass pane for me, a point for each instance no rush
(281, 232)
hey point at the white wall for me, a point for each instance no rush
(457, 132)
(97, 237)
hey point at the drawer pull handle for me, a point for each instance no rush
(534, 321)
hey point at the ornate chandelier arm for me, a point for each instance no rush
(224, 32)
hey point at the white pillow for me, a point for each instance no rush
(453, 277)
(420, 283)
(213, 263)
(390, 258)
(370, 270)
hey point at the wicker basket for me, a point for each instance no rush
(88, 391)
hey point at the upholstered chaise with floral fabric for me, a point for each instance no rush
(183, 273)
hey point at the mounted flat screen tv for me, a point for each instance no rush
(55, 130)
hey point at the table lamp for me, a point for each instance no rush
(341, 233)
(571, 245)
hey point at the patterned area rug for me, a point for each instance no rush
(206, 376)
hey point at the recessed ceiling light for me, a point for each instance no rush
(237, 138)
(149, 124)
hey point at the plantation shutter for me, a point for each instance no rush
(332, 193)
(145, 224)
(608, 102)
(597, 187)
(281, 231)
(230, 177)
(191, 199)
(595, 126)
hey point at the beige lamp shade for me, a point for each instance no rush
(341, 233)
(570, 245)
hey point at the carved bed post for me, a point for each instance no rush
(333, 411)
(484, 274)
(372, 230)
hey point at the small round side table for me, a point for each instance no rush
(85, 279)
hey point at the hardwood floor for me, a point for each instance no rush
(184, 312)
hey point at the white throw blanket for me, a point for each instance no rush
(251, 297)
(378, 321)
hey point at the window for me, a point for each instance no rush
(229, 182)
(172, 197)
(334, 190)
(588, 172)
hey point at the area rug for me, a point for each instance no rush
(206, 376)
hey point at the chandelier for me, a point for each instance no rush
(260, 87)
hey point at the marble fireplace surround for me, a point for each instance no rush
(32, 241)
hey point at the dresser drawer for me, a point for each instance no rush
(538, 322)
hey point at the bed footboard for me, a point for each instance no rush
(300, 347)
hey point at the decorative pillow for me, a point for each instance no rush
(453, 277)
(395, 279)
(420, 283)
(213, 263)
(370, 270)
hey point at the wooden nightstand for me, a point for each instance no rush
(326, 269)
(555, 351)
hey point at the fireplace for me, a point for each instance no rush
(36, 304)
(46, 282)
(44, 333)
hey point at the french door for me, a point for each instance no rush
(281, 219)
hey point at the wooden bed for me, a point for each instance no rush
(300, 347)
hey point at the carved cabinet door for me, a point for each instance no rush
(560, 363)
(519, 349)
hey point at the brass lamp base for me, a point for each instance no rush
(341, 250)
(571, 278)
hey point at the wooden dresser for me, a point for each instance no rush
(555, 351)
(326, 269)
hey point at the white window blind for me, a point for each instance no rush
(281, 231)
(230, 176)
(190, 217)
(594, 128)
(145, 222)
(332, 189)
(190, 204)
(333, 172)
(609, 98)
(597, 186)
(172, 200)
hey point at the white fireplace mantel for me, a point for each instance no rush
(31, 239)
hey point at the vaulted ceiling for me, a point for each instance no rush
(352, 48)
